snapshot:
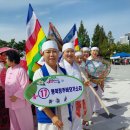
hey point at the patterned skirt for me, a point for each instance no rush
(4, 113)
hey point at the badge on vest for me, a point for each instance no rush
(55, 90)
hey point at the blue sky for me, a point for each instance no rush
(113, 15)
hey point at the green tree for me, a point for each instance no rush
(3, 43)
(113, 48)
(110, 37)
(104, 49)
(20, 46)
(112, 45)
(12, 43)
(122, 48)
(83, 36)
(100, 40)
(98, 36)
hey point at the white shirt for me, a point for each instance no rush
(39, 74)
(72, 70)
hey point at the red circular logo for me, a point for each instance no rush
(43, 93)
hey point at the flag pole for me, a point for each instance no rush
(94, 92)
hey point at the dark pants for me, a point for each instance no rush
(4, 113)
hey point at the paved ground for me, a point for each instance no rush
(117, 99)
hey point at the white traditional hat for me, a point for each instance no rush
(78, 53)
(68, 45)
(85, 49)
(94, 48)
(49, 44)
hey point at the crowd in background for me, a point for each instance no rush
(14, 79)
(121, 61)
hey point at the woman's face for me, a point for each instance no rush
(68, 55)
(85, 54)
(79, 59)
(9, 63)
(94, 53)
(51, 56)
(3, 57)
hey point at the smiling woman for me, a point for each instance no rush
(4, 115)
(15, 82)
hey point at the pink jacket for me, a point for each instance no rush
(15, 83)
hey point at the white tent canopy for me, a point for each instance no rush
(115, 57)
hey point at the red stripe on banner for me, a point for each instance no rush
(33, 38)
(76, 42)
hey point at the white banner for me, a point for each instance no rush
(54, 91)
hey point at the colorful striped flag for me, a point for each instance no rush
(54, 35)
(35, 38)
(72, 37)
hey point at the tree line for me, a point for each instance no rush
(100, 39)
(104, 41)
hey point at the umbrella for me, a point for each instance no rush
(4, 49)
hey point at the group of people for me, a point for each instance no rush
(72, 116)
(121, 61)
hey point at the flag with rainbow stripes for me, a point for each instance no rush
(35, 38)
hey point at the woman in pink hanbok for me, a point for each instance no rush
(16, 80)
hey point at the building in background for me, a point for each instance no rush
(125, 39)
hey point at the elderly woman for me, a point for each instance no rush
(79, 58)
(87, 117)
(85, 52)
(97, 84)
(49, 118)
(16, 80)
(73, 69)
